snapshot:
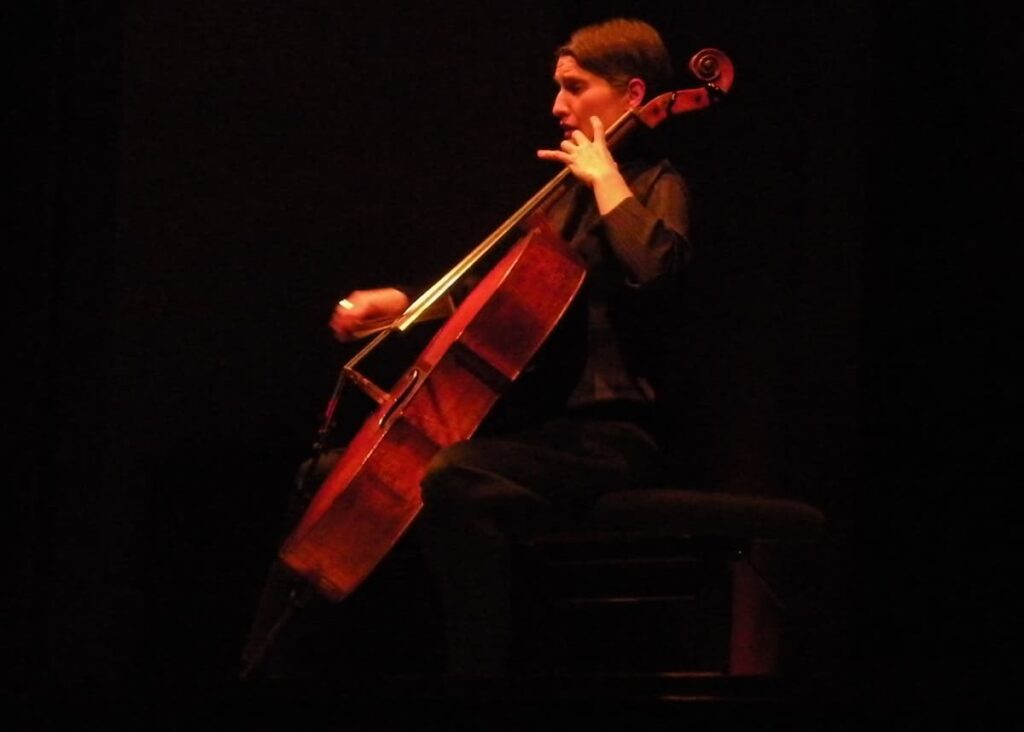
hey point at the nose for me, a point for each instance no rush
(560, 109)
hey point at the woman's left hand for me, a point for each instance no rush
(588, 160)
(591, 161)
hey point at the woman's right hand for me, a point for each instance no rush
(362, 311)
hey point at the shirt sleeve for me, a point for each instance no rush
(649, 238)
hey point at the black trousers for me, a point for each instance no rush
(480, 496)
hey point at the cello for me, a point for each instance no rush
(372, 493)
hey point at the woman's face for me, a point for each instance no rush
(582, 94)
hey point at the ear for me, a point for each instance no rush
(635, 90)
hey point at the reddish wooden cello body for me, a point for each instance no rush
(372, 494)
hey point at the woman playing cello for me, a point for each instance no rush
(580, 421)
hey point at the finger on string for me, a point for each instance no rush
(553, 155)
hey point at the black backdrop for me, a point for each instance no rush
(200, 182)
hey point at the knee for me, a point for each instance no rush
(459, 456)
(472, 480)
(451, 473)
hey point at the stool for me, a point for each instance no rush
(665, 580)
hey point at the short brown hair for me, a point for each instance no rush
(621, 49)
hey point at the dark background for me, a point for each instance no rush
(198, 182)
